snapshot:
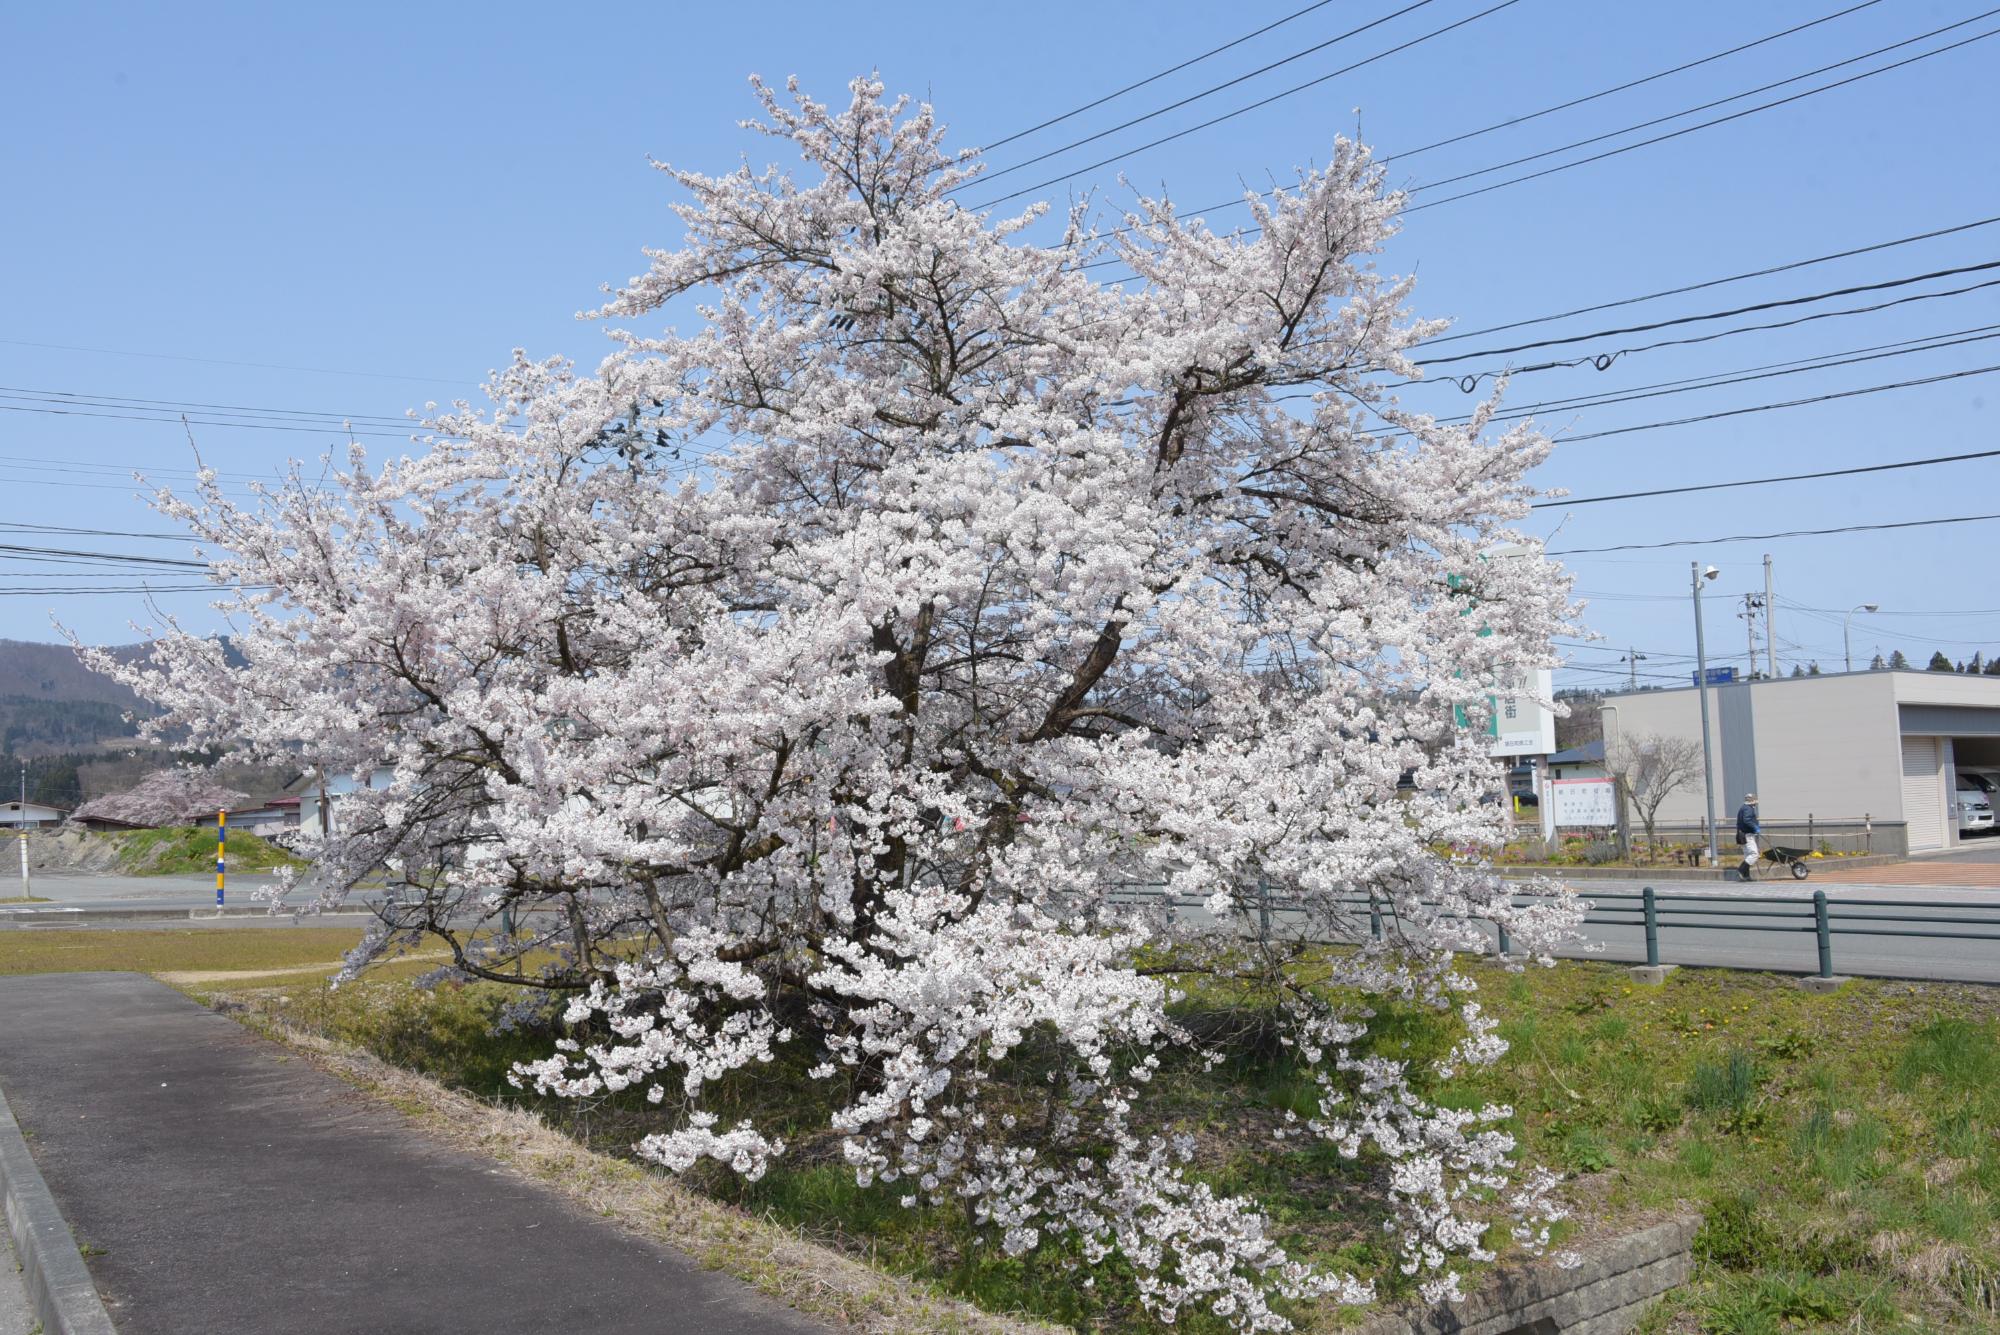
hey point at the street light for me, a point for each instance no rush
(1696, 577)
(1847, 624)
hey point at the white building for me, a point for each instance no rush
(1868, 758)
(308, 788)
(31, 814)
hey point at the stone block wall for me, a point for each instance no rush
(1604, 1295)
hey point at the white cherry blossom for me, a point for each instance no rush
(812, 681)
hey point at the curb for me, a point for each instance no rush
(60, 1289)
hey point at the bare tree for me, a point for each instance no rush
(1648, 768)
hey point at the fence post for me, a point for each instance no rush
(1374, 916)
(1812, 840)
(1652, 929)
(1825, 934)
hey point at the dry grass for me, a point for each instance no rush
(773, 1259)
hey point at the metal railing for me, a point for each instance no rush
(1651, 911)
(1824, 918)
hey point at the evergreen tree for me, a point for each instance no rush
(1876, 664)
(1939, 663)
(1976, 663)
(1812, 669)
(1798, 671)
(1993, 667)
(1898, 662)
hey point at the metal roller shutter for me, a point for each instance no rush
(1923, 797)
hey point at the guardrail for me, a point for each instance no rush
(1824, 918)
(1651, 911)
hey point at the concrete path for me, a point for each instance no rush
(224, 1186)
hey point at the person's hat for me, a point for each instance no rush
(1749, 797)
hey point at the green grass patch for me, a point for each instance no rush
(186, 850)
(59, 950)
(1841, 1151)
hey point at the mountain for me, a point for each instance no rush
(50, 701)
(51, 672)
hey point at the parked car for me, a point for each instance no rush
(1988, 782)
(1975, 804)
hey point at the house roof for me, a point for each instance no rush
(1590, 753)
(13, 804)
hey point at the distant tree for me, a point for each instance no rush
(1976, 663)
(166, 797)
(1649, 768)
(1812, 668)
(1583, 724)
(1898, 662)
(1876, 664)
(1993, 667)
(1798, 671)
(1939, 663)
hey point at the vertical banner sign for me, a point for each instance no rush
(221, 849)
(1519, 722)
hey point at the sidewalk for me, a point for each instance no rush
(225, 1187)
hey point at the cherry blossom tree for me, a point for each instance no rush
(821, 680)
(164, 797)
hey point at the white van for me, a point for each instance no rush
(1976, 793)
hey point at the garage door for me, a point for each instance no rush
(1923, 799)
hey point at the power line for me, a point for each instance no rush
(1706, 106)
(1790, 403)
(1772, 537)
(1657, 139)
(1767, 481)
(1263, 102)
(177, 405)
(244, 426)
(1705, 125)
(1154, 78)
(1721, 379)
(174, 561)
(1243, 199)
(1603, 361)
(223, 361)
(16, 525)
(1751, 309)
(1194, 97)
(1718, 282)
(1623, 87)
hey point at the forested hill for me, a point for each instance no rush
(49, 700)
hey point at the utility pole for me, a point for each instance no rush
(1701, 689)
(1632, 660)
(1770, 633)
(21, 835)
(1749, 616)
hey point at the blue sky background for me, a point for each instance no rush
(353, 209)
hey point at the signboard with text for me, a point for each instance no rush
(1585, 802)
(1522, 724)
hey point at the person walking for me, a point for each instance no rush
(1748, 827)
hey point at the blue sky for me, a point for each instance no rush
(353, 209)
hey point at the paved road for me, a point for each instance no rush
(235, 1192)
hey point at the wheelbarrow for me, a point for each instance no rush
(1795, 858)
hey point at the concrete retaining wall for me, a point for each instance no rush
(1605, 1295)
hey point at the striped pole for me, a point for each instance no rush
(221, 853)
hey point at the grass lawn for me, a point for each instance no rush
(1843, 1151)
(52, 950)
(187, 850)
